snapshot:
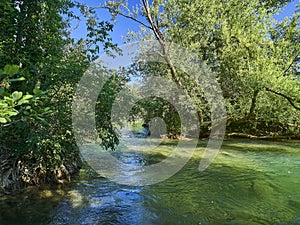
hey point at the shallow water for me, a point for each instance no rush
(250, 182)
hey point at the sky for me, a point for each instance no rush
(123, 25)
(288, 10)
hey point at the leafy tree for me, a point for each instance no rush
(255, 57)
(41, 67)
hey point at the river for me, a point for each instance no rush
(250, 182)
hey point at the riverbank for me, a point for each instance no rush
(263, 137)
(19, 172)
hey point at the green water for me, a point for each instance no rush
(250, 182)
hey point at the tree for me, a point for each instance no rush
(255, 57)
(37, 143)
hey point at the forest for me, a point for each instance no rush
(255, 60)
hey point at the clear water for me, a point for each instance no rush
(250, 182)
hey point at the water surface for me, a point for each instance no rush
(250, 182)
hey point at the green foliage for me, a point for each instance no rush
(150, 108)
(248, 50)
(107, 97)
(11, 103)
(41, 67)
(11, 69)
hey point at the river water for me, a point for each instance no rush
(250, 182)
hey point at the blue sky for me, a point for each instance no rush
(123, 25)
(288, 10)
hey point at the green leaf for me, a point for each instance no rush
(11, 69)
(16, 95)
(40, 118)
(9, 101)
(37, 91)
(3, 120)
(17, 79)
(12, 113)
(25, 97)
(23, 101)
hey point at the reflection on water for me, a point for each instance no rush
(250, 182)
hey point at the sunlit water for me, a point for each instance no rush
(250, 182)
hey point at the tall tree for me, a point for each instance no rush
(254, 56)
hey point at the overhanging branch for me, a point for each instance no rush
(290, 100)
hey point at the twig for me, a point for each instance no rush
(124, 15)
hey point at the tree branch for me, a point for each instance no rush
(159, 36)
(290, 65)
(161, 39)
(253, 103)
(290, 100)
(124, 15)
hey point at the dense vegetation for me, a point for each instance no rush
(40, 67)
(255, 58)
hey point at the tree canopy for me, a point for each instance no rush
(255, 57)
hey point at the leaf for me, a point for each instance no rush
(25, 97)
(16, 95)
(37, 91)
(9, 101)
(40, 118)
(22, 101)
(3, 120)
(12, 113)
(47, 110)
(17, 79)
(11, 69)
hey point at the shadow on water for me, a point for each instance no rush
(250, 182)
